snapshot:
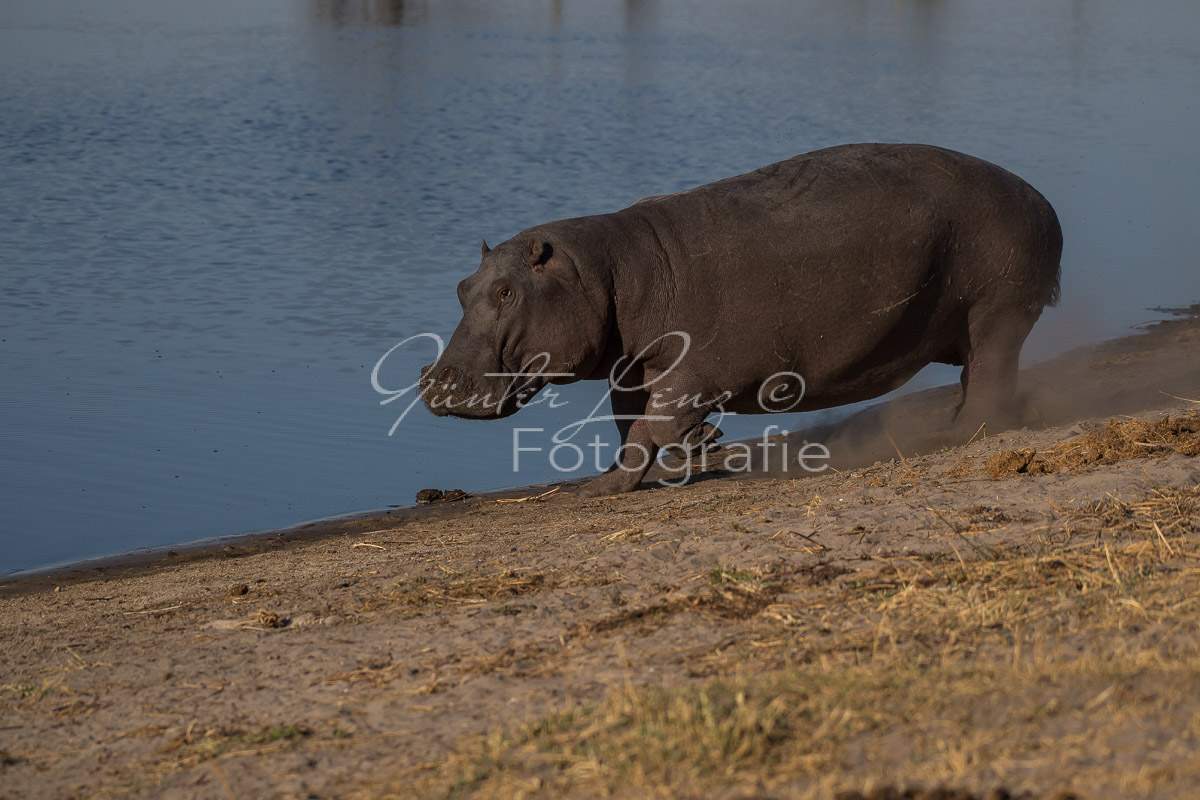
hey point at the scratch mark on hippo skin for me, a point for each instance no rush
(904, 300)
(804, 168)
(898, 303)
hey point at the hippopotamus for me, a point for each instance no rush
(829, 278)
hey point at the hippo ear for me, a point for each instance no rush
(539, 252)
(485, 250)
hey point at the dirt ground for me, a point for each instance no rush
(1014, 617)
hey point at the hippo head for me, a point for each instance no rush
(529, 318)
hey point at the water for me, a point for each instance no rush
(215, 218)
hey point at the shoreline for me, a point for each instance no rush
(238, 544)
(877, 433)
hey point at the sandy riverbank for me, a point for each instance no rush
(1020, 612)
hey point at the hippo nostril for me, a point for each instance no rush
(447, 374)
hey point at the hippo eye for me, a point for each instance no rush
(504, 293)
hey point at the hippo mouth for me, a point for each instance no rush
(449, 391)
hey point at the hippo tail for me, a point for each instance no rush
(1054, 245)
(1046, 251)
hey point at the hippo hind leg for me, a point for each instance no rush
(990, 357)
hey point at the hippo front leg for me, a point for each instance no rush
(637, 451)
(645, 429)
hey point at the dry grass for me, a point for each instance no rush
(191, 747)
(943, 793)
(971, 674)
(1163, 512)
(423, 593)
(1117, 441)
